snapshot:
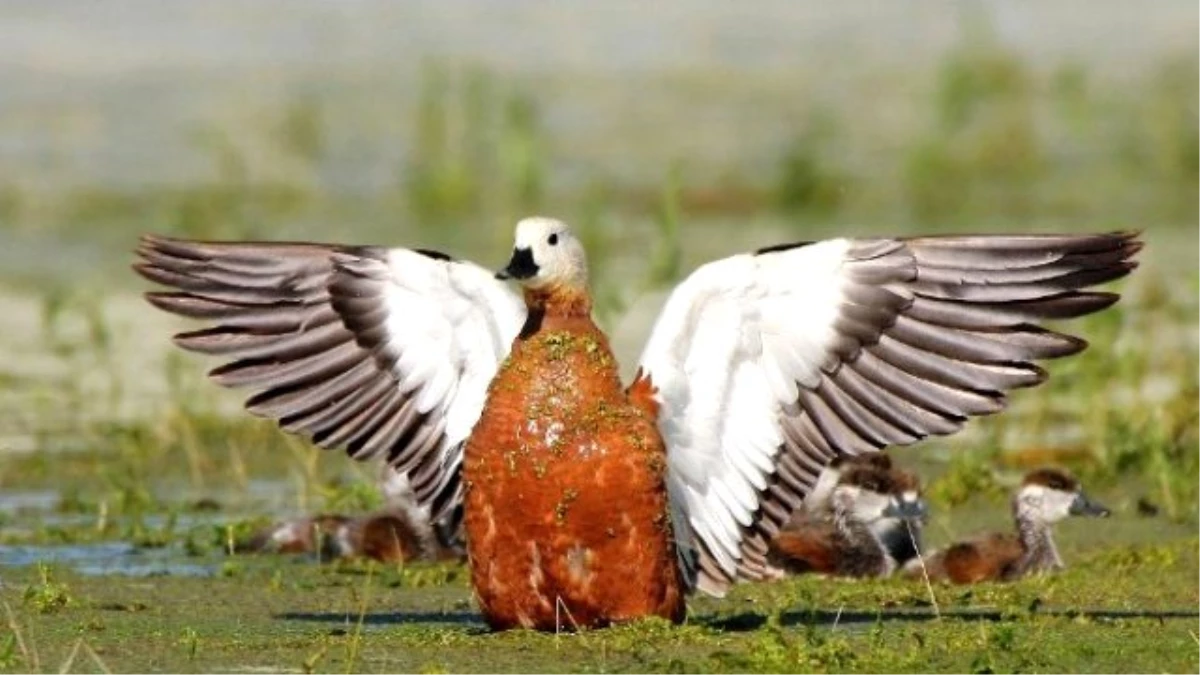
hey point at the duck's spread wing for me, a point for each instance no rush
(378, 351)
(768, 365)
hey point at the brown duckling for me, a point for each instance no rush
(846, 544)
(1045, 497)
(400, 532)
(321, 534)
(901, 537)
(387, 536)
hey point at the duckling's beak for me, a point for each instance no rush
(520, 267)
(907, 509)
(1082, 506)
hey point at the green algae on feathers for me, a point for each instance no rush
(564, 505)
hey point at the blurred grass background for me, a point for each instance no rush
(667, 136)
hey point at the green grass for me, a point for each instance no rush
(1113, 611)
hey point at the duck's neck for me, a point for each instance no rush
(555, 307)
(862, 553)
(560, 301)
(1037, 544)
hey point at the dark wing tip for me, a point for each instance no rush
(779, 248)
(435, 255)
(167, 301)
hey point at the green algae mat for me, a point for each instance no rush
(1128, 608)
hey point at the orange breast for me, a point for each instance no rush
(566, 509)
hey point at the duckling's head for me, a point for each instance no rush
(1049, 495)
(546, 254)
(906, 500)
(863, 493)
(818, 499)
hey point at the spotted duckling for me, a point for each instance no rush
(1045, 497)
(320, 534)
(387, 536)
(400, 532)
(846, 544)
(901, 537)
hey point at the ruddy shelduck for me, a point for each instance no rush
(583, 502)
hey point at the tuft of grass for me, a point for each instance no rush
(190, 641)
(46, 595)
(351, 496)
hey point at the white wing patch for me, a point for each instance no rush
(732, 342)
(453, 324)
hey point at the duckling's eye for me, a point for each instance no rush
(871, 486)
(553, 240)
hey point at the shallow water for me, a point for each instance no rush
(107, 558)
(13, 501)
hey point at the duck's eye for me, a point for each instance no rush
(553, 240)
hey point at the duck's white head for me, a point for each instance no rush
(546, 254)
(1049, 495)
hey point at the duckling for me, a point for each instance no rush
(391, 536)
(1045, 497)
(387, 536)
(400, 532)
(816, 502)
(846, 544)
(321, 534)
(900, 536)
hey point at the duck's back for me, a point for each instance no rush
(566, 509)
(988, 558)
(803, 548)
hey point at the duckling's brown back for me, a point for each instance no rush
(804, 548)
(985, 559)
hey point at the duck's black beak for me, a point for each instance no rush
(520, 267)
(907, 509)
(1082, 506)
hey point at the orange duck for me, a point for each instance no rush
(1045, 497)
(585, 503)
